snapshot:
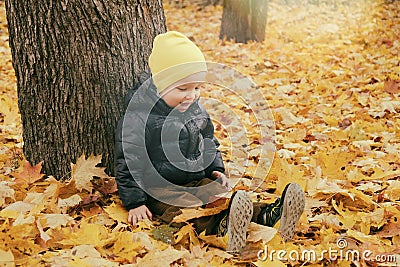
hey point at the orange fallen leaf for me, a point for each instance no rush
(108, 186)
(29, 173)
(390, 230)
(96, 209)
(392, 86)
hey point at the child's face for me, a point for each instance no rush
(184, 93)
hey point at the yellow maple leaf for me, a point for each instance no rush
(117, 212)
(128, 245)
(87, 233)
(286, 173)
(21, 219)
(334, 163)
(84, 170)
(21, 239)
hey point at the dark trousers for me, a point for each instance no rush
(166, 212)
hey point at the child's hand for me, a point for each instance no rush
(224, 179)
(138, 214)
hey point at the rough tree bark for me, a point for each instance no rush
(244, 20)
(74, 61)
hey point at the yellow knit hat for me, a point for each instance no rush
(173, 58)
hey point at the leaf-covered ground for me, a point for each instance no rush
(331, 75)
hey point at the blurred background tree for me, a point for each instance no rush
(244, 20)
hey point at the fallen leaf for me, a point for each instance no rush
(84, 170)
(189, 231)
(87, 233)
(108, 186)
(165, 233)
(6, 191)
(216, 241)
(259, 232)
(326, 219)
(29, 174)
(188, 214)
(345, 123)
(16, 208)
(128, 245)
(55, 220)
(392, 86)
(368, 239)
(90, 199)
(288, 118)
(144, 239)
(43, 235)
(117, 212)
(6, 258)
(324, 186)
(389, 230)
(22, 219)
(96, 209)
(161, 258)
(393, 190)
(72, 201)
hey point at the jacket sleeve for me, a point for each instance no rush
(212, 152)
(129, 180)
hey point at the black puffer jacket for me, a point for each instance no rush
(152, 137)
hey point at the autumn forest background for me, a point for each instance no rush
(330, 72)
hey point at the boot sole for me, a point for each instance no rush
(240, 214)
(293, 207)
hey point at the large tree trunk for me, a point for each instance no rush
(244, 20)
(74, 61)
